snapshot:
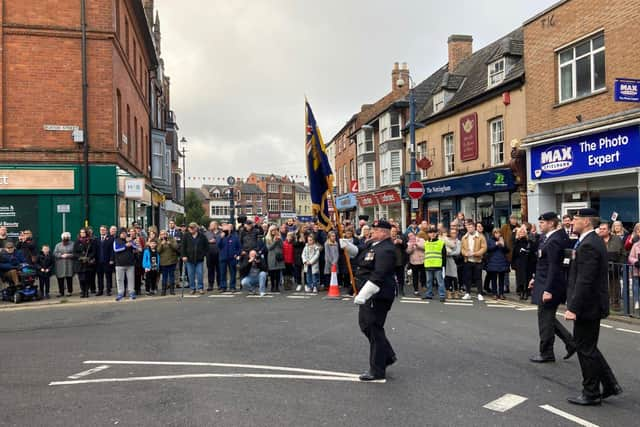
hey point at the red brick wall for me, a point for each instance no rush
(564, 24)
(43, 82)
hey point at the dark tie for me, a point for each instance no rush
(543, 238)
(577, 244)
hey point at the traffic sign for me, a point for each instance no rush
(416, 190)
(354, 186)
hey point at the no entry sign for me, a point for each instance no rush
(416, 190)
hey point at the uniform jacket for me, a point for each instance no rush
(551, 274)
(194, 248)
(588, 289)
(376, 262)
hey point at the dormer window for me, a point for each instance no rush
(496, 72)
(215, 194)
(438, 101)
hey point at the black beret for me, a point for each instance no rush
(548, 216)
(363, 217)
(587, 212)
(382, 224)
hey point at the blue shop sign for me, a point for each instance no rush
(346, 202)
(485, 182)
(303, 218)
(627, 90)
(614, 149)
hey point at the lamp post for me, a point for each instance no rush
(184, 173)
(412, 130)
(231, 181)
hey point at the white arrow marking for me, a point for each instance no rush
(89, 372)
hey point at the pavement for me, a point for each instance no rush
(234, 360)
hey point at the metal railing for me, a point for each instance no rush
(622, 275)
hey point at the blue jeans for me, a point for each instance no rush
(194, 273)
(251, 281)
(231, 265)
(313, 279)
(168, 274)
(435, 275)
(636, 289)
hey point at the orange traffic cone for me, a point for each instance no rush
(334, 290)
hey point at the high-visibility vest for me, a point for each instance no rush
(433, 254)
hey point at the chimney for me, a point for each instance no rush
(460, 48)
(400, 71)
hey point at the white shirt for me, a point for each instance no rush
(583, 235)
(550, 233)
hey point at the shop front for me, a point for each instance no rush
(381, 204)
(489, 197)
(598, 169)
(346, 205)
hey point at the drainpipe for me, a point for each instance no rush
(85, 119)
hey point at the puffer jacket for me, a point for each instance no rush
(497, 257)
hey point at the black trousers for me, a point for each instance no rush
(496, 279)
(61, 281)
(418, 277)
(274, 279)
(548, 327)
(213, 269)
(473, 276)
(104, 273)
(44, 281)
(91, 280)
(399, 272)
(371, 318)
(151, 281)
(595, 369)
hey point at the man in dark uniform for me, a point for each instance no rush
(587, 303)
(375, 264)
(550, 287)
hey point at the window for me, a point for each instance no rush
(352, 168)
(390, 167)
(438, 101)
(259, 199)
(365, 141)
(448, 150)
(581, 68)
(273, 205)
(389, 126)
(367, 178)
(219, 211)
(134, 142)
(135, 56)
(345, 184)
(126, 36)
(118, 118)
(497, 141)
(156, 159)
(286, 189)
(421, 152)
(272, 188)
(287, 205)
(248, 210)
(258, 210)
(496, 72)
(126, 141)
(215, 194)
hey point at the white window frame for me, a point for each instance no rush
(259, 198)
(448, 150)
(345, 186)
(365, 145)
(572, 64)
(421, 151)
(395, 166)
(273, 205)
(286, 205)
(496, 134)
(286, 189)
(157, 155)
(438, 101)
(496, 72)
(258, 210)
(272, 188)
(367, 181)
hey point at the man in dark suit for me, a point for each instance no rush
(587, 303)
(104, 261)
(550, 288)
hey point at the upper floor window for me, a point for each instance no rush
(581, 68)
(438, 101)
(449, 156)
(273, 205)
(365, 141)
(496, 72)
(496, 128)
(366, 176)
(215, 194)
(389, 126)
(272, 188)
(286, 189)
(421, 152)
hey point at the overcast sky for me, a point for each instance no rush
(240, 68)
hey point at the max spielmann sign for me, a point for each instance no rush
(604, 151)
(36, 179)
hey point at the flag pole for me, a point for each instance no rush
(344, 250)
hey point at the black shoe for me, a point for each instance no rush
(222, 290)
(427, 297)
(163, 293)
(193, 292)
(368, 376)
(108, 293)
(570, 352)
(99, 294)
(209, 289)
(614, 391)
(172, 292)
(442, 299)
(392, 360)
(540, 359)
(583, 400)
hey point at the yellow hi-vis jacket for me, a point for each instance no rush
(433, 254)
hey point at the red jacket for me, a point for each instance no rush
(287, 251)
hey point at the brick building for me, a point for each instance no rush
(345, 172)
(582, 144)
(279, 195)
(249, 201)
(42, 86)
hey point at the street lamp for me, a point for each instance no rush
(412, 129)
(184, 173)
(231, 181)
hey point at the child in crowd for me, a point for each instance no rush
(45, 265)
(310, 261)
(151, 265)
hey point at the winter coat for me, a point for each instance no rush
(480, 247)
(249, 239)
(64, 266)
(331, 256)
(634, 257)
(245, 267)
(28, 249)
(298, 247)
(84, 256)
(123, 255)
(342, 261)
(311, 255)
(148, 262)
(47, 263)
(524, 256)
(497, 257)
(229, 247)
(194, 248)
(288, 252)
(416, 252)
(275, 258)
(11, 262)
(168, 251)
(401, 250)
(214, 250)
(453, 248)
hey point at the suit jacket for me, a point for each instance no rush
(551, 274)
(377, 263)
(105, 252)
(588, 290)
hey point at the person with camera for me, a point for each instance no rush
(169, 253)
(124, 249)
(253, 271)
(194, 249)
(230, 251)
(85, 256)
(275, 257)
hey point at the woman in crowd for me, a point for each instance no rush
(310, 261)
(331, 255)
(63, 254)
(415, 249)
(85, 258)
(497, 264)
(634, 260)
(365, 234)
(523, 260)
(288, 251)
(275, 257)
(298, 267)
(487, 284)
(168, 250)
(617, 229)
(343, 271)
(632, 238)
(454, 258)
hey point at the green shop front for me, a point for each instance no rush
(48, 199)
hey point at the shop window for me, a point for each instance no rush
(497, 141)
(581, 68)
(468, 207)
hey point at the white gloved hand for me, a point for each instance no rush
(351, 249)
(368, 290)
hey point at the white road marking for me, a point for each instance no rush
(346, 299)
(218, 296)
(88, 372)
(527, 309)
(258, 296)
(604, 325)
(568, 416)
(410, 298)
(627, 330)
(506, 402)
(501, 305)
(195, 296)
(221, 365)
(298, 296)
(459, 304)
(173, 377)
(415, 302)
